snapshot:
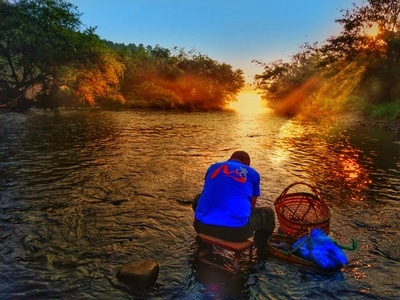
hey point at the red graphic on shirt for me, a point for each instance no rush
(238, 175)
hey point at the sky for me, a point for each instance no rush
(229, 31)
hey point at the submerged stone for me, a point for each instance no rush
(141, 274)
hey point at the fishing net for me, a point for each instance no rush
(299, 212)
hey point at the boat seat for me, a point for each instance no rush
(236, 247)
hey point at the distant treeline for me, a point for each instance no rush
(357, 70)
(46, 60)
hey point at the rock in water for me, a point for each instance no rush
(141, 274)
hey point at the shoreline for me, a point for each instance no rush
(393, 125)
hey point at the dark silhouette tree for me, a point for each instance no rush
(41, 46)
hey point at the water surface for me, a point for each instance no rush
(83, 192)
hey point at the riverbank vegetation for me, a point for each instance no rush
(49, 59)
(355, 72)
(46, 60)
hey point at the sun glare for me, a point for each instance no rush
(248, 102)
(373, 30)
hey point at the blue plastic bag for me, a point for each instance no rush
(320, 249)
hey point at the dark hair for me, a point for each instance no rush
(241, 156)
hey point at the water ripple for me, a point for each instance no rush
(83, 192)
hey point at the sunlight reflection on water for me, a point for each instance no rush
(83, 192)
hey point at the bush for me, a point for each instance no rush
(390, 110)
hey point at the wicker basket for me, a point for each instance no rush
(298, 212)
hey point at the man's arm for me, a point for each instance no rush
(253, 201)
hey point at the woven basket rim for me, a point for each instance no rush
(301, 194)
(299, 211)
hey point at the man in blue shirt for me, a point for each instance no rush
(226, 207)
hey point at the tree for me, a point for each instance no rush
(370, 39)
(35, 40)
(381, 49)
(207, 83)
(98, 80)
(357, 39)
(164, 78)
(280, 78)
(41, 46)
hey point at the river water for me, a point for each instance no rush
(83, 192)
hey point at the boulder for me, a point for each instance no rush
(141, 274)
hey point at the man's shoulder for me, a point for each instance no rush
(217, 164)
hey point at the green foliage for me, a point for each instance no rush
(388, 111)
(44, 55)
(41, 49)
(279, 78)
(352, 66)
(35, 41)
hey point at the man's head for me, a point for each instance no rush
(241, 156)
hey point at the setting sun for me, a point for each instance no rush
(249, 102)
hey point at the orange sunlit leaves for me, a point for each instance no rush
(183, 89)
(100, 81)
